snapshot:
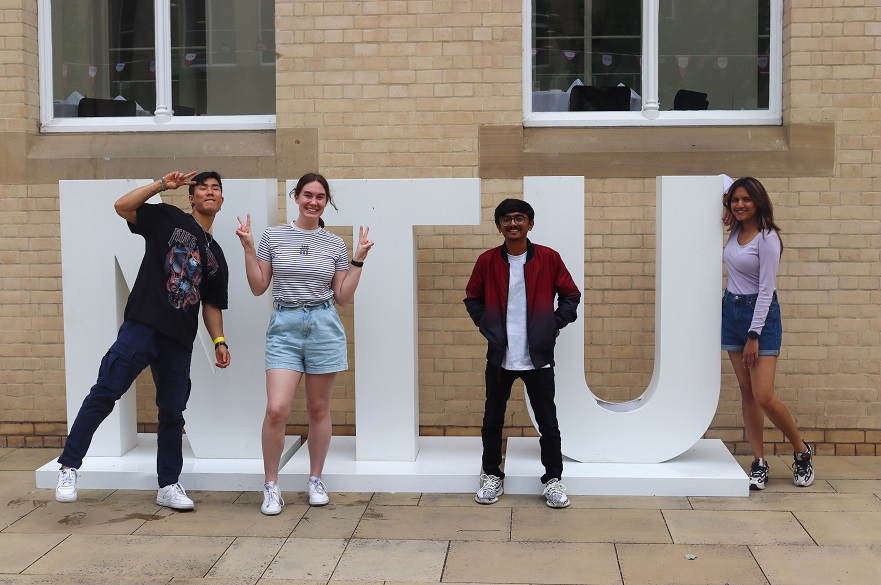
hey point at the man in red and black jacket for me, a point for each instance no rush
(510, 298)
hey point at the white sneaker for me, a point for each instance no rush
(555, 492)
(174, 496)
(491, 488)
(317, 492)
(65, 491)
(272, 500)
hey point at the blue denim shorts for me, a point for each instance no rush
(737, 316)
(306, 337)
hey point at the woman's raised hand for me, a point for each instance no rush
(244, 232)
(364, 244)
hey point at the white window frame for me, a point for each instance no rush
(651, 114)
(162, 119)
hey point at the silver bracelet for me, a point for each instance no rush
(162, 184)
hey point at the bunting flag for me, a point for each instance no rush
(722, 64)
(682, 61)
(570, 55)
(93, 73)
(189, 58)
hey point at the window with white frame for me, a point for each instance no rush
(652, 62)
(157, 64)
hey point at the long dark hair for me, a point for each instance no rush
(764, 208)
(310, 178)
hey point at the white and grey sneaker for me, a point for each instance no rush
(758, 475)
(174, 496)
(317, 492)
(272, 500)
(491, 487)
(803, 468)
(65, 491)
(555, 492)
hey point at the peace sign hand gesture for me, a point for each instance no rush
(175, 179)
(244, 233)
(364, 244)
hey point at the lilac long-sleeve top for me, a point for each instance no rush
(752, 269)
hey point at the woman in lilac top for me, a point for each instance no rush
(751, 326)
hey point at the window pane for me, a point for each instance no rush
(714, 47)
(103, 50)
(223, 57)
(593, 43)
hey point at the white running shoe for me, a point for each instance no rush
(174, 496)
(65, 491)
(272, 500)
(555, 492)
(317, 492)
(491, 487)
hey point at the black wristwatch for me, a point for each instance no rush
(752, 335)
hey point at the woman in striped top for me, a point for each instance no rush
(310, 271)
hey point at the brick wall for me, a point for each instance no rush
(399, 89)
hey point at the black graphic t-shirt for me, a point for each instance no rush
(173, 278)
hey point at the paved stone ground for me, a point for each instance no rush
(827, 533)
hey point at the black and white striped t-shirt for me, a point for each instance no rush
(303, 262)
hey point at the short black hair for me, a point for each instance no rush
(514, 205)
(204, 176)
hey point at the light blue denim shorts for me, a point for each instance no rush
(306, 337)
(737, 316)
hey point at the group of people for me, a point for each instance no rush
(520, 295)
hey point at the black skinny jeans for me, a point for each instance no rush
(540, 390)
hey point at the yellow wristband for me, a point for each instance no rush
(219, 339)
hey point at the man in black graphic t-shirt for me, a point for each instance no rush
(183, 268)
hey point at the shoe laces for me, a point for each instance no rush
(802, 466)
(757, 470)
(317, 486)
(272, 493)
(177, 489)
(554, 490)
(68, 477)
(490, 483)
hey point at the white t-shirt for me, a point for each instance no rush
(517, 352)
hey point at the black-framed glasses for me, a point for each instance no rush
(509, 219)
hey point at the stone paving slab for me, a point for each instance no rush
(667, 564)
(842, 528)
(724, 527)
(532, 562)
(856, 486)
(568, 525)
(823, 565)
(68, 579)
(246, 559)
(393, 560)
(132, 556)
(475, 522)
(27, 459)
(816, 502)
(19, 551)
(124, 514)
(306, 558)
(209, 519)
(330, 521)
